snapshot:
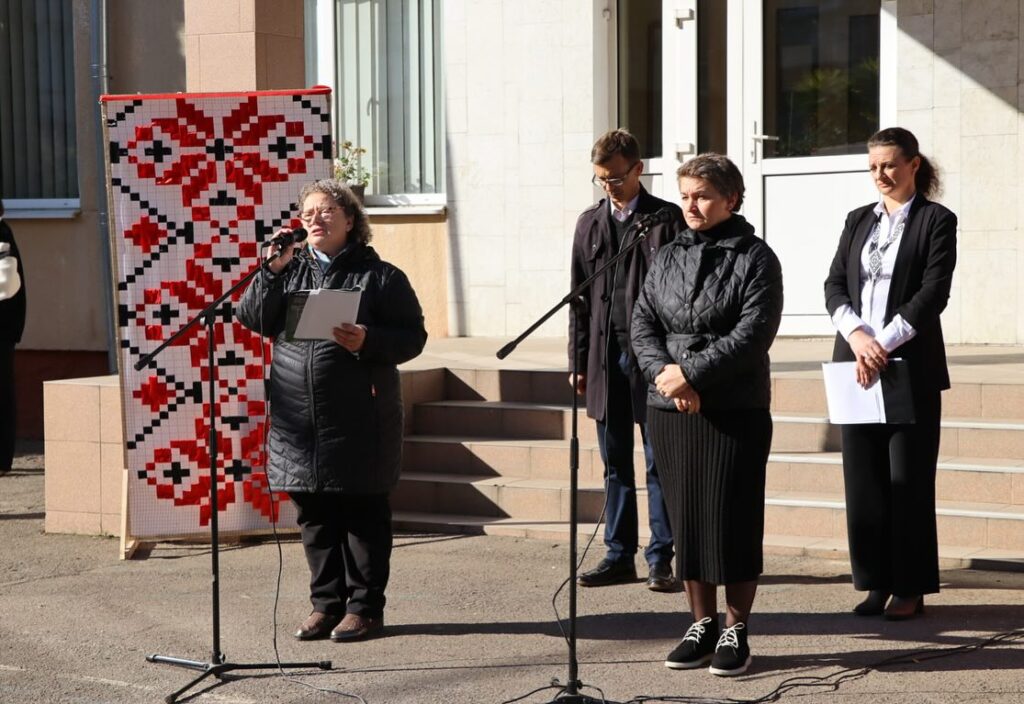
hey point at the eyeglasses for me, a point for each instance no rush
(326, 213)
(613, 182)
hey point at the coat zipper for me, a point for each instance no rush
(318, 280)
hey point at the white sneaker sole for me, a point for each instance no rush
(693, 665)
(732, 673)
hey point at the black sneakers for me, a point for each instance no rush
(697, 646)
(732, 654)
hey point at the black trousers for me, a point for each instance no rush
(889, 472)
(7, 417)
(347, 539)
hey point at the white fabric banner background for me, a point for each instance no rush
(196, 183)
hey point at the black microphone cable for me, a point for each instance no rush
(275, 513)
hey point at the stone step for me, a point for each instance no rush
(805, 514)
(950, 557)
(793, 432)
(792, 391)
(966, 479)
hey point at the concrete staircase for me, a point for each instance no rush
(486, 451)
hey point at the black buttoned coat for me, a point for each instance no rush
(591, 249)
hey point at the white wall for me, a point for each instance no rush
(959, 92)
(527, 95)
(520, 91)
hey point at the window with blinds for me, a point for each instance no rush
(387, 90)
(37, 100)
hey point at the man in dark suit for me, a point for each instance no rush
(609, 376)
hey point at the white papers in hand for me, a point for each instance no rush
(324, 310)
(848, 401)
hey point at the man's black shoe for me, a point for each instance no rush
(660, 579)
(608, 572)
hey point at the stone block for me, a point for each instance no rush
(991, 63)
(992, 19)
(112, 471)
(948, 24)
(111, 426)
(227, 62)
(71, 410)
(205, 17)
(1006, 534)
(988, 289)
(961, 530)
(72, 482)
(73, 522)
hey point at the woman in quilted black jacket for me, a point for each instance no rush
(702, 326)
(336, 408)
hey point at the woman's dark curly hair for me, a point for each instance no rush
(341, 194)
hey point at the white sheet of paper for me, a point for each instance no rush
(848, 402)
(325, 310)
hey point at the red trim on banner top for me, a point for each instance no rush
(315, 90)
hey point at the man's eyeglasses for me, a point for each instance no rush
(326, 214)
(612, 182)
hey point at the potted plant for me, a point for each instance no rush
(349, 169)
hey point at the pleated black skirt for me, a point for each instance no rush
(712, 469)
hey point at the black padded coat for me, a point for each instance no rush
(336, 417)
(713, 308)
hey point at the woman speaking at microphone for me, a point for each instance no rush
(336, 407)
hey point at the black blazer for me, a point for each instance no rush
(919, 291)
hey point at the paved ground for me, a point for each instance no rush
(469, 621)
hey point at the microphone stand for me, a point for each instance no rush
(570, 693)
(218, 664)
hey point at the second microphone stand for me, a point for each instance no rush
(570, 693)
(218, 663)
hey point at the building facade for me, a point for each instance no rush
(477, 117)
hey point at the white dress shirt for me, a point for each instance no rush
(874, 294)
(624, 214)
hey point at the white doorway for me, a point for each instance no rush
(804, 97)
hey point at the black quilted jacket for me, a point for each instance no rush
(335, 417)
(713, 308)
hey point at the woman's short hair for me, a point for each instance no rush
(719, 171)
(341, 194)
(926, 180)
(609, 144)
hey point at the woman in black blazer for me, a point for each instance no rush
(887, 285)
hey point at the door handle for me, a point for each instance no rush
(760, 139)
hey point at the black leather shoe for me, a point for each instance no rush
(873, 605)
(608, 572)
(355, 627)
(660, 579)
(317, 625)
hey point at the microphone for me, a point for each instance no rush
(287, 238)
(665, 215)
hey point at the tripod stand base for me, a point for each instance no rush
(217, 669)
